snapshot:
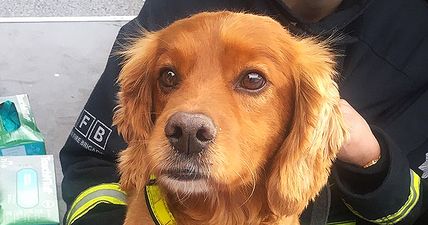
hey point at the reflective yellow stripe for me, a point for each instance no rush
(91, 204)
(157, 204)
(404, 210)
(343, 223)
(91, 197)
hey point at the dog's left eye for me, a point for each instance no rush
(168, 79)
(252, 81)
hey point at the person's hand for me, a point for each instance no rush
(362, 148)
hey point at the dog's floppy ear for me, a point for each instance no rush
(301, 166)
(133, 114)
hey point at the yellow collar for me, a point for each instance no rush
(157, 205)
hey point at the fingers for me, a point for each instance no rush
(362, 145)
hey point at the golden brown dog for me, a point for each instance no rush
(236, 118)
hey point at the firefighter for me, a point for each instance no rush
(383, 64)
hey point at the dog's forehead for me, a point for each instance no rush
(214, 30)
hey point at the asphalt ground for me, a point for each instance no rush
(57, 64)
(61, 8)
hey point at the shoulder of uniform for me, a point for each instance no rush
(157, 14)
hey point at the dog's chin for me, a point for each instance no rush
(183, 184)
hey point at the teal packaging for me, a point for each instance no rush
(28, 193)
(19, 134)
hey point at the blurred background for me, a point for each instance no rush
(55, 51)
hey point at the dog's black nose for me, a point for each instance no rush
(190, 133)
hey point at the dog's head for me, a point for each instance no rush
(220, 101)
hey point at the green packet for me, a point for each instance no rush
(19, 134)
(28, 193)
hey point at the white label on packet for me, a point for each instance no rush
(14, 151)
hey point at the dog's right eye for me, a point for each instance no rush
(168, 79)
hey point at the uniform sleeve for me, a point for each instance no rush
(389, 192)
(88, 158)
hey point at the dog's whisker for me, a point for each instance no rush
(188, 191)
(205, 197)
(239, 175)
(253, 182)
(180, 199)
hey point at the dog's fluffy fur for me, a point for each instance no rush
(274, 148)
